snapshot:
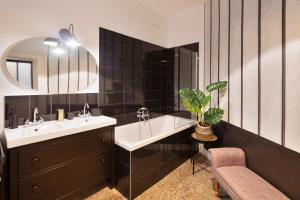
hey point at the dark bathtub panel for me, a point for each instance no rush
(144, 168)
(152, 162)
(122, 155)
(123, 179)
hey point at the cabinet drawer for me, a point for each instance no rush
(57, 183)
(38, 157)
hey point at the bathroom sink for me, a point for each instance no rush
(52, 129)
(44, 127)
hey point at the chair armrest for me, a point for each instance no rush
(227, 156)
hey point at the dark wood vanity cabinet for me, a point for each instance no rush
(58, 168)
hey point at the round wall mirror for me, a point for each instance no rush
(50, 69)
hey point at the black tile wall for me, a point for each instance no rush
(60, 101)
(43, 103)
(47, 105)
(21, 104)
(132, 74)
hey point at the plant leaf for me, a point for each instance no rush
(213, 116)
(206, 101)
(193, 100)
(216, 86)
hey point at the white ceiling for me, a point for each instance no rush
(168, 8)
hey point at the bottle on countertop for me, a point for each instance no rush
(60, 114)
(13, 119)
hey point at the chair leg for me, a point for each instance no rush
(217, 187)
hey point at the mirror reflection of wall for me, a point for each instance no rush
(32, 64)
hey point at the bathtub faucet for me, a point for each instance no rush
(143, 113)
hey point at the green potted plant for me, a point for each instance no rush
(198, 102)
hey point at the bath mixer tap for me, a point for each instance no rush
(143, 113)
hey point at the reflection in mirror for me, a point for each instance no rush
(32, 64)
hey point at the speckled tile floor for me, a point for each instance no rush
(178, 185)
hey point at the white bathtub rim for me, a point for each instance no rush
(129, 147)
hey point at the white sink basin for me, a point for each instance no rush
(53, 129)
(39, 129)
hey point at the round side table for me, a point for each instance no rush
(200, 139)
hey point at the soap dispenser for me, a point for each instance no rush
(13, 119)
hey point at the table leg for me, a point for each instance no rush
(194, 159)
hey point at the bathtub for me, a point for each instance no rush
(147, 152)
(136, 135)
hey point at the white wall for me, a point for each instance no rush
(263, 89)
(33, 18)
(24, 19)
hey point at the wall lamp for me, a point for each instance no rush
(66, 36)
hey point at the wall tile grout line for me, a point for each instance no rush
(283, 71)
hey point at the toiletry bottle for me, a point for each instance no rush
(60, 114)
(13, 119)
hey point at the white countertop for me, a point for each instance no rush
(54, 129)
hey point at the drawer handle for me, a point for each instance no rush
(103, 140)
(35, 188)
(35, 163)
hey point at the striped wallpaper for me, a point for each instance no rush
(70, 72)
(255, 46)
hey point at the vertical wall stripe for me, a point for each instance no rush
(207, 44)
(283, 71)
(204, 45)
(48, 49)
(229, 32)
(191, 58)
(250, 65)
(88, 68)
(242, 62)
(292, 74)
(58, 74)
(178, 86)
(198, 69)
(259, 68)
(223, 95)
(271, 70)
(210, 41)
(78, 75)
(235, 62)
(219, 19)
(69, 69)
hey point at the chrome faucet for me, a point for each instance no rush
(35, 121)
(35, 113)
(85, 110)
(143, 113)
